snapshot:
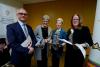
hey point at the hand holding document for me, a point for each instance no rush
(63, 40)
(41, 42)
(78, 45)
(38, 42)
(85, 45)
(27, 42)
(81, 49)
(63, 44)
(31, 49)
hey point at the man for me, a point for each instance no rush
(43, 34)
(21, 40)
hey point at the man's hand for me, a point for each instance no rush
(31, 49)
(29, 44)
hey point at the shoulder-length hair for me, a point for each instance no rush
(79, 25)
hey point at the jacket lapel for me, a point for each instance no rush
(20, 30)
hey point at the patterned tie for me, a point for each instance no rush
(25, 30)
(57, 37)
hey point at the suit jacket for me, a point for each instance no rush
(16, 36)
(38, 34)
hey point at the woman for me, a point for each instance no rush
(57, 46)
(43, 34)
(79, 35)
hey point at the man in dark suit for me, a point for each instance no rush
(21, 40)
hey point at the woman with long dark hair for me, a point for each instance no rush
(80, 35)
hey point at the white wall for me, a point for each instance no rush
(95, 53)
(13, 3)
(7, 14)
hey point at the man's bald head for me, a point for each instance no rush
(22, 14)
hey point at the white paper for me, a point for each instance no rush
(82, 49)
(41, 42)
(78, 45)
(27, 42)
(38, 43)
(63, 40)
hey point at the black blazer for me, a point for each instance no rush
(16, 36)
(82, 35)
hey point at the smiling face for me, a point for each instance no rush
(59, 23)
(75, 21)
(22, 14)
(45, 22)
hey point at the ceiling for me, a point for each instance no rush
(34, 1)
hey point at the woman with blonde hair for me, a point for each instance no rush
(57, 46)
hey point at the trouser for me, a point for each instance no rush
(56, 54)
(23, 61)
(44, 61)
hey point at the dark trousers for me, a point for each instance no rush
(4, 56)
(73, 57)
(56, 54)
(44, 61)
(25, 61)
(23, 64)
(55, 61)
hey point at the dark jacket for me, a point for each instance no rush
(16, 36)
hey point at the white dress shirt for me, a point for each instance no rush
(24, 28)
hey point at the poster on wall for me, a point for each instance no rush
(7, 16)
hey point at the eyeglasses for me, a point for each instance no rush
(22, 14)
(75, 19)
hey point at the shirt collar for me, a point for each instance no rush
(59, 29)
(21, 23)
